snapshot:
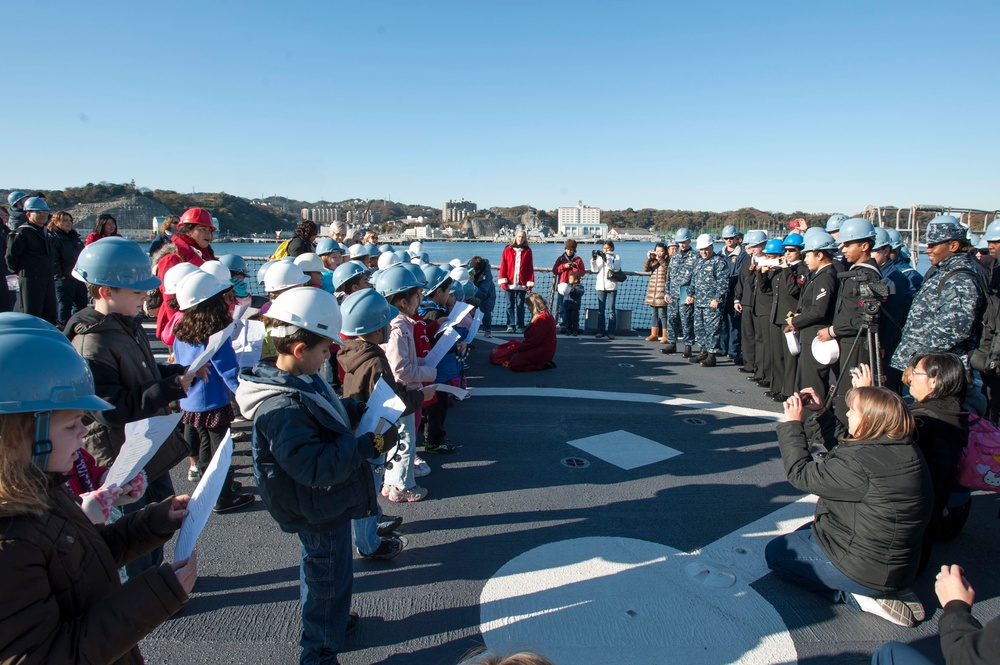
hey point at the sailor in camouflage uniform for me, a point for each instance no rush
(680, 316)
(945, 311)
(707, 292)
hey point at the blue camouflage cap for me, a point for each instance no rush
(945, 228)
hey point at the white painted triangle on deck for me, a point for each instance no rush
(624, 449)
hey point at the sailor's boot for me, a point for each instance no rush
(687, 351)
(694, 360)
(709, 360)
(669, 348)
(654, 334)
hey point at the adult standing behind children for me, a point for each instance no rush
(656, 265)
(65, 245)
(606, 264)
(29, 256)
(105, 226)
(311, 467)
(61, 600)
(567, 264)
(517, 278)
(191, 244)
(486, 291)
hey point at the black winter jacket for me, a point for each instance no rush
(312, 472)
(65, 248)
(964, 641)
(28, 253)
(874, 500)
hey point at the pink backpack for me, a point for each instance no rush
(979, 464)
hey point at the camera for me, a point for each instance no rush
(597, 252)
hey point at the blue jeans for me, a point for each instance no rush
(798, 558)
(515, 305)
(607, 298)
(563, 314)
(660, 318)
(326, 576)
(71, 297)
(366, 537)
(897, 653)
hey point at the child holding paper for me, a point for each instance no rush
(107, 335)
(448, 369)
(312, 470)
(61, 600)
(365, 324)
(208, 411)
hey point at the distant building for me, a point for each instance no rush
(456, 211)
(324, 215)
(581, 221)
(362, 218)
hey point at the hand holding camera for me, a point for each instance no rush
(594, 254)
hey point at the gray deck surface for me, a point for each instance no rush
(506, 504)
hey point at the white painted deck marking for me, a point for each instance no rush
(637, 398)
(624, 449)
(621, 600)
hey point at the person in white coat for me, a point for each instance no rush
(605, 264)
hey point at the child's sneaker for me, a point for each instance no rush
(415, 493)
(488, 333)
(388, 524)
(420, 467)
(446, 447)
(385, 490)
(194, 474)
(387, 549)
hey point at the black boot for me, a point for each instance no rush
(687, 351)
(669, 348)
(709, 360)
(694, 360)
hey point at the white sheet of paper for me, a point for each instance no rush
(477, 321)
(383, 403)
(459, 312)
(203, 499)
(443, 346)
(240, 313)
(142, 439)
(215, 343)
(460, 393)
(249, 343)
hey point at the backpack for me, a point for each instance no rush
(282, 250)
(979, 463)
(985, 357)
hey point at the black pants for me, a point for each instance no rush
(573, 319)
(434, 417)
(203, 442)
(157, 490)
(38, 298)
(749, 339)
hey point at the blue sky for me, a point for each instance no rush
(709, 106)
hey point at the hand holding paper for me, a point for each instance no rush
(215, 343)
(142, 439)
(199, 507)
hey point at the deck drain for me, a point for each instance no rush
(735, 391)
(694, 421)
(626, 365)
(575, 462)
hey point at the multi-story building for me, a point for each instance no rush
(325, 215)
(580, 221)
(456, 211)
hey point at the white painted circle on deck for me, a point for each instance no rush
(619, 600)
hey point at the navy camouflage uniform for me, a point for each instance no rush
(709, 281)
(680, 317)
(944, 314)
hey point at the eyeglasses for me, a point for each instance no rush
(916, 373)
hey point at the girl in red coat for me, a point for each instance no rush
(516, 277)
(106, 225)
(539, 346)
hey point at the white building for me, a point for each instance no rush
(580, 220)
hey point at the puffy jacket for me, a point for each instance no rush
(875, 500)
(364, 364)
(517, 272)
(602, 267)
(125, 374)
(222, 377)
(486, 290)
(311, 470)
(401, 352)
(565, 265)
(61, 600)
(657, 287)
(65, 247)
(28, 253)
(964, 641)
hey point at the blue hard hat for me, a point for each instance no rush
(992, 233)
(730, 231)
(373, 250)
(754, 238)
(18, 322)
(793, 240)
(346, 272)
(820, 241)
(895, 239)
(235, 263)
(15, 196)
(470, 290)
(396, 279)
(904, 253)
(36, 204)
(434, 276)
(682, 235)
(882, 239)
(457, 290)
(417, 272)
(945, 228)
(833, 224)
(774, 246)
(364, 312)
(326, 246)
(856, 229)
(385, 248)
(116, 262)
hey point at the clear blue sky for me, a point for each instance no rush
(709, 106)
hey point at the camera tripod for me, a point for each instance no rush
(870, 310)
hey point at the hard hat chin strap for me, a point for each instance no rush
(42, 446)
